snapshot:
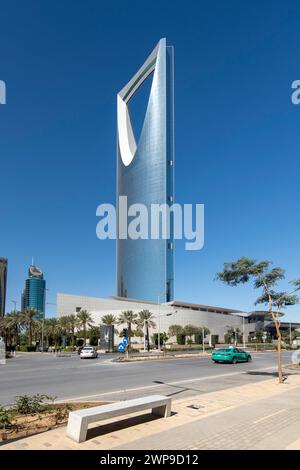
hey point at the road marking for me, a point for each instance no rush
(268, 416)
(146, 387)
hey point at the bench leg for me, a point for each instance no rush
(163, 411)
(77, 428)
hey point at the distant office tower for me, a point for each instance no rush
(3, 282)
(145, 175)
(34, 292)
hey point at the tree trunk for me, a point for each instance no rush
(279, 349)
(29, 335)
(147, 337)
(129, 335)
(84, 334)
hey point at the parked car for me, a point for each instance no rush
(88, 352)
(232, 355)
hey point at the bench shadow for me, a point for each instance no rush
(103, 429)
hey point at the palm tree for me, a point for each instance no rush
(13, 323)
(73, 324)
(109, 319)
(10, 328)
(63, 322)
(128, 317)
(30, 321)
(84, 320)
(145, 321)
(52, 329)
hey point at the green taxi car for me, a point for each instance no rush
(232, 355)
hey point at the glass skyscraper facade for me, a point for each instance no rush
(3, 281)
(34, 292)
(145, 175)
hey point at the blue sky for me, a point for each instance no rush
(236, 135)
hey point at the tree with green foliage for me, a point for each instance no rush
(233, 335)
(175, 330)
(29, 319)
(163, 339)
(265, 278)
(129, 318)
(72, 326)
(52, 331)
(84, 321)
(189, 331)
(144, 322)
(67, 325)
(109, 319)
(10, 328)
(202, 330)
(94, 335)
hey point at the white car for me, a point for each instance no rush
(88, 352)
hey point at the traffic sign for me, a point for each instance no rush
(121, 347)
(125, 341)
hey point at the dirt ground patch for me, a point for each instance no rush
(55, 416)
(293, 367)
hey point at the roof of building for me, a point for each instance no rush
(203, 307)
(263, 314)
(189, 305)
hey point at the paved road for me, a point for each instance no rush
(101, 379)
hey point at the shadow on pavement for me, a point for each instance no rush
(101, 430)
(178, 387)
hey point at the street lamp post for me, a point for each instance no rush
(15, 311)
(146, 336)
(158, 329)
(43, 320)
(158, 305)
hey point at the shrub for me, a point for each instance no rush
(163, 338)
(5, 418)
(198, 338)
(180, 339)
(61, 413)
(175, 330)
(26, 405)
(26, 348)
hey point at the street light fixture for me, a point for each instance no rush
(158, 330)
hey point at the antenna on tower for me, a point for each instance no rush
(32, 261)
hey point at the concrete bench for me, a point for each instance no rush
(79, 420)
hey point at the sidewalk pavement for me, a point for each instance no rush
(260, 415)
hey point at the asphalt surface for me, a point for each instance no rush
(101, 379)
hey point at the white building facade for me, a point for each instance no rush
(216, 319)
